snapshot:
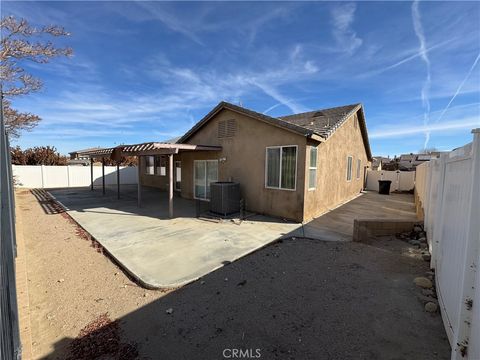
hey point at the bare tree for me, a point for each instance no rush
(17, 46)
(38, 155)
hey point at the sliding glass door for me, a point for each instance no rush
(204, 173)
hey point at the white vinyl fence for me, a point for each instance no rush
(449, 191)
(43, 176)
(401, 180)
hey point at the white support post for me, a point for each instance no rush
(170, 185)
(139, 183)
(462, 338)
(68, 175)
(42, 169)
(437, 221)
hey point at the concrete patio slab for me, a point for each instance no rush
(161, 252)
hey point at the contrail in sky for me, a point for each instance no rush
(422, 51)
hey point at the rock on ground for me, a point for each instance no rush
(423, 282)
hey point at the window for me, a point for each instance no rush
(281, 167)
(312, 169)
(359, 165)
(149, 165)
(160, 165)
(204, 173)
(178, 176)
(349, 168)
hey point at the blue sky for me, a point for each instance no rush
(147, 71)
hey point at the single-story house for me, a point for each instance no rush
(82, 154)
(295, 167)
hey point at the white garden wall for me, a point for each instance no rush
(448, 188)
(43, 176)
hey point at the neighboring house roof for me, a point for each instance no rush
(84, 150)
(318, 125)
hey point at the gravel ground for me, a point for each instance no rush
(296, 299)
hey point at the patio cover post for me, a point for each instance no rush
(103, 175)
(118, 180)
(170, 185)
(91, 173)
(139, 184)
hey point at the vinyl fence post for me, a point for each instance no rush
(103, 176)
(91, 173)
(462, 338)
(68, 176)
(139, 184)
(118, 180)
(42, 171)
(437, 221)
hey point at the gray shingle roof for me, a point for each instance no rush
(322, 122)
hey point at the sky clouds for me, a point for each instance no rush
(423, 53)
(146, 71)
(343, 16)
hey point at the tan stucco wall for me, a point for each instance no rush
(332, 185)
(245, 163)
(157, 181)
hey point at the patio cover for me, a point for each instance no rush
(143, 149)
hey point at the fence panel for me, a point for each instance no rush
(451, 202)
(10, 347)
(55, 176)
(28, 176)
(452, 238)
(401, 180)
(40, 176)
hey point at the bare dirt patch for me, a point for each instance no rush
(71, 282)
(295, 299)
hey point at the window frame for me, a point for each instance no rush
(310, 167)
(194, 174)
(147, 165)
(175, 186)
(350, 168)
(161, 159)
(359, 166)
(280, 167)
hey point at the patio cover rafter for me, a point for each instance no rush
(150, 148)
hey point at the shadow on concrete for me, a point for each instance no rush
(294, 299)
(154, 201)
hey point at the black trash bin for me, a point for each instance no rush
(384, 187)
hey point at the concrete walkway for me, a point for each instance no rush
(337, 224)
(163, 253)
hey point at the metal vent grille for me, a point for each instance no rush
(227, 128)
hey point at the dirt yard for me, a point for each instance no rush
(70, 281)
(296, 299)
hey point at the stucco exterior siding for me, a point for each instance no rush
(244, 162)
(332, 187)
(156, 181)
